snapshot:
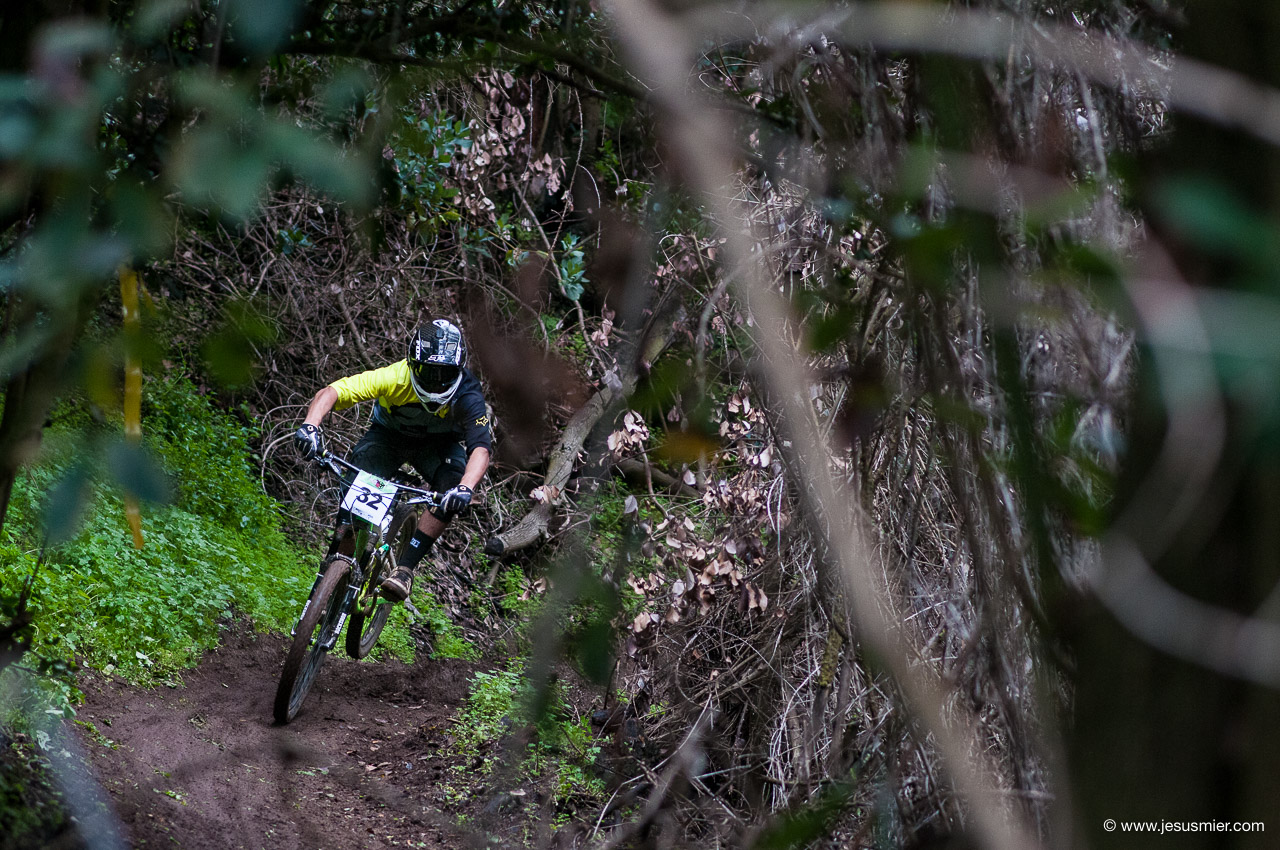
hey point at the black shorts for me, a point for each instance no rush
(439, 461)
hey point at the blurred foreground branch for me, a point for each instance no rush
(661, 48)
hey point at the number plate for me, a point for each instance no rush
(369, 498)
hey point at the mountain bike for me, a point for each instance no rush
(347, 586)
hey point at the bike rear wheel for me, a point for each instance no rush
(318, 627)
(370, 612)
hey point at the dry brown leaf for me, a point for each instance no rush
(546, 493)
(753, 598)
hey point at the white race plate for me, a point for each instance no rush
(369, 498)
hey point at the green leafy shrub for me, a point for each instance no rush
(207, 453)
(421, 150)
(218, 551)
(563, 747)
(490, 709)
(448, 641)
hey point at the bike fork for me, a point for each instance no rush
(348, 599)
(294, 631)
(319, 575)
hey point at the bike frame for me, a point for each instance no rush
(363, 550)
(376, 505)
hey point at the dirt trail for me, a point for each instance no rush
(201, 765)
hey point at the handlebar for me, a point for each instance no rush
(335, 465)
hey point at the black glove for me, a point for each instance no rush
(456, 501)
(310, 441)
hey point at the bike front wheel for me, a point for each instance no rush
(316, 632)
(371, 611)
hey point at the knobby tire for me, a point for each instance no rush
(369, 615)
(306, 653)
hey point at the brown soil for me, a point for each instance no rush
(365, 764)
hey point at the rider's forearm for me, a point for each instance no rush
(322, 404)
(477, 464)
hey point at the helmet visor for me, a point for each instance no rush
(435, 377)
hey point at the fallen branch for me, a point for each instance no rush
(533, 527)
(637, 470)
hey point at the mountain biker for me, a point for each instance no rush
(430, 413)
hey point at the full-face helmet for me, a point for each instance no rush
(436, 357)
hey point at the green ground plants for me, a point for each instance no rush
(215, 552)
(561, 750)
(447, 639)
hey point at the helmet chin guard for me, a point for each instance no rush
(436, 356)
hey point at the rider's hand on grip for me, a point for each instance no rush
(456, 501)
(310, 441)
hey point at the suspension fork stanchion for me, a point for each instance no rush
(355, 580)
(307, 604)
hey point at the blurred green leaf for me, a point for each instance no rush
(1209, 215)
(138, 472)
(831, 328)
(17, 129)
(17, 351)
(595, 648)
(349, 88)
(1087, 261)
(319, 163)
(212, 167)
(231, 159)
(260, 26)
(63, 259)
(140, 217)
(218, 97)
(804, 824)
(229, 352)
(156, 17)
(64, 509)
(68, 40)
(1072, 201)
(916, 173)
